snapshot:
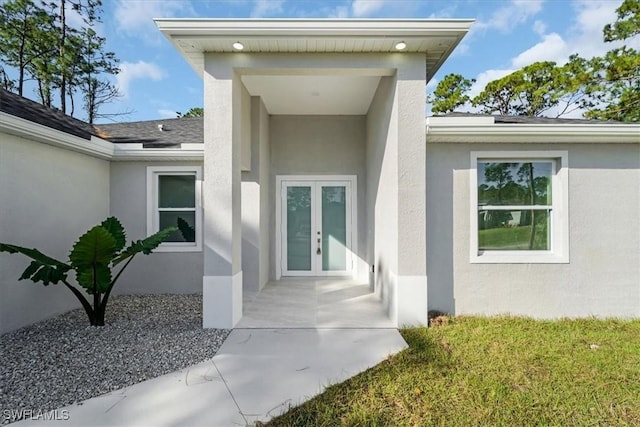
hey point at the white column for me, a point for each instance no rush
(411, 283)
(222, 281)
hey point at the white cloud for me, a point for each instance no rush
(340, 12)
(263, 8)
(508, 17)
(361, 8)
(540, 27)
(135, 17)
(551, 48)
(583, 37)
(167, 114)
(133, 71)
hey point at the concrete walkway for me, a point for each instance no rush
(256, 375)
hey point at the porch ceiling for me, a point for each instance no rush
(435, 38)
(304, 95)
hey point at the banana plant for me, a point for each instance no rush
(93, 259)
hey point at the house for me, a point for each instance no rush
(314, 159)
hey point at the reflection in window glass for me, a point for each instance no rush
(514, 183)
(514, 205)
(177, 191)
(176, 206)
(509, 230)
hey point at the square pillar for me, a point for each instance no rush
(411, 283)
(222, 281)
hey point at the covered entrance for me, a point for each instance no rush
(315, 225)
(297, 111)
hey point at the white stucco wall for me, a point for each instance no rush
(256, 202)
(397, 205)
(603, 275)
(319, 145)
(159, 272)
(50, 196)
(382, 181)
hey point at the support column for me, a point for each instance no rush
(222, 281)
(411, 286)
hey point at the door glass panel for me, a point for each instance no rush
(334, 228)
(298, 228)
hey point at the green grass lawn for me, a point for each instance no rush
(493, 372)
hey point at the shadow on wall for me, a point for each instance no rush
(385, 289)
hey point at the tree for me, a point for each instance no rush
(530, 91)
(22, 39)
(37, 42)
(93, 64)
(627, 23)
(450, 94)
(92, 258)
(606, 87)
(193, 112)
(618, 78)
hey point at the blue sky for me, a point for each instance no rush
(508, 34)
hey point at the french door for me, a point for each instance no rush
(316, 227)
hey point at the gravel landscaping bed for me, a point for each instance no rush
(63, 360)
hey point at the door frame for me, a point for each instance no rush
(352, 179)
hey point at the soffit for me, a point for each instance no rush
(435, 38)
(310, 95)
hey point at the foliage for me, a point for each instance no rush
(606, 87)
(617, 76)
(92, 258)
(22, 40)
(193, 112)
(617, 86)
(627, 23)
(38, 43)
(450, 93)
(501, 371)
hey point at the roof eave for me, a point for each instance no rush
(184, 29)
(590, 133)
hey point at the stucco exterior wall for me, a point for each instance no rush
(50, 196)
(256, 203)
(319, 145)
(382, 172)
(603, 275)
(160, 272)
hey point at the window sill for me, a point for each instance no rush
(527, 257)
(164, 247)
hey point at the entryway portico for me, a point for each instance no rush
(315, 100)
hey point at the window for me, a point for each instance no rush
(519, 207)
(173, 199)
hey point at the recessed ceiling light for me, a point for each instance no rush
(401, 46)
(238, 46)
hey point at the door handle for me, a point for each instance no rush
(319, 251)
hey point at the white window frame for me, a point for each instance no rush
(559, 218)
(153, 212)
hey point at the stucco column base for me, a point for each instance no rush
(411, 297)
(221, 301)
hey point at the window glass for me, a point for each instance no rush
(513, 183)
(176, 191)
(185, 221)
(514, 205)
(510, 230)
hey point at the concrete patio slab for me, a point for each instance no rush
(314, 303)
(256, 375)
